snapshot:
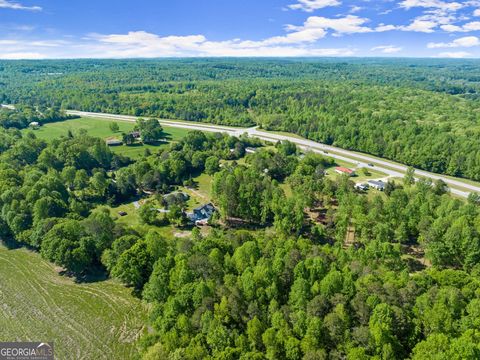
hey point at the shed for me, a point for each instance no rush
(113, 142)
(362, 187)
(343, 170)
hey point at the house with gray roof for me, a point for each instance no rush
(202, 214)
(377, 184)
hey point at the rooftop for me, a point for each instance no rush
(343, 169)
(376, 182)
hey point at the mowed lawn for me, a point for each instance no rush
(101, 128)
(99, 320)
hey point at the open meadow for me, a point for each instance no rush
(101, 128)
(98, 320)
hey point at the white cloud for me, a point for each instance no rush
(8, 42)
(23, 27)
(311, 5)
(383, 27)
(148, 45)
(432, 4)
(354, 9)
(350, 24)
(468, 27)
(476, 12)
(144, 44)
(6, 4)
(451, 28)
(22, 55)
(438, 16)
(33, 43)
(468, 41)
(441, 14)
(472, 26)
(299, 41)
(387, 49)
(313, 29)
(419, 25)
(454, 55)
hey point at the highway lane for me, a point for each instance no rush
(361, 160)
(177, 124)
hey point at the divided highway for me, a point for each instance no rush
(457, 186)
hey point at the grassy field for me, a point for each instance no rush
(101, 128)
(201, 194)
(360, 174)
(99, 320)
(133, 219)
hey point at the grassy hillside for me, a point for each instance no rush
(86, 321)
(101, 128)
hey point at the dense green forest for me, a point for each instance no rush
(424, 113)
(324, 272)
(22, 117)
(294, 264)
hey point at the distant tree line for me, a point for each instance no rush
(421, 113)
(23, 116)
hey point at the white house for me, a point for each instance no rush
(377, 184)
(202, 214)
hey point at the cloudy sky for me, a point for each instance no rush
(178, 28)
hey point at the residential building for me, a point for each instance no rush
(135, 134)
(202, 214)
(377, 184)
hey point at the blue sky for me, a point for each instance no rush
(180, 28)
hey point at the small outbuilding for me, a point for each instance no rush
(362, 187)
(34, 125)
(113, 142)
(344, 171)
(177, 194)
